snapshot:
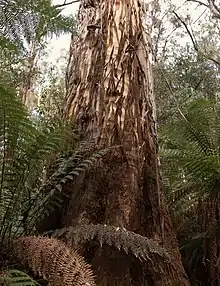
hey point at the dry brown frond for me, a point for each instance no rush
(51, 259)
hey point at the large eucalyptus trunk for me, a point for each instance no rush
(110, 97)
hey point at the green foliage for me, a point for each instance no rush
(17, 278)
(186, 78)
(67, 169)
(25, 149)
(36, 165)
(191, 148)
(52, 92)
(29, 21)
(25, 27)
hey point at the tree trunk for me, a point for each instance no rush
(109, 94)
(26, 92)
(209, 215)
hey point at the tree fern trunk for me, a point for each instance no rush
(109, 94)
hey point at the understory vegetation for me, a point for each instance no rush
(41, 154)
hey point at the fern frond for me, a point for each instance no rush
(52, 260)
(25, 149)
(14, 128)
(191, 146)
(17, 278)
(67, 170)
(28, 20)
(128, 241)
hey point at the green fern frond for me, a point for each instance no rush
(14, 127)
(191, 144)
(128, 241)
(31, 20)
(67, 170)
(17, 278)
(55, 24)
(25, 149)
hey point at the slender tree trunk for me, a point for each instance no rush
(26, 91)
(109, 94)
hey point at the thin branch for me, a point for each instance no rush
(205, 11)
(166, 41)
(214, 9)
(199, 2)
(66, 4)
(188, 31)
(170, 88)
(194, 41)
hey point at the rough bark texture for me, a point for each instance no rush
(209, 215)
(109, 95)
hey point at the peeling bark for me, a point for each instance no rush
(110, 96)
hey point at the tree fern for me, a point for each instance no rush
(190, 151)
(191, 145)
(191, 156)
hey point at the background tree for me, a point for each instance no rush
(26, 27)
(52, 91)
